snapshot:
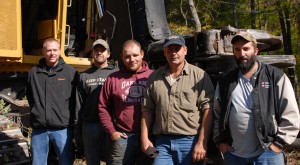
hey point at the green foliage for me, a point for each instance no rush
(219, 13)
(181, 29)
(24, 97)
(4, 108)
(2, 104)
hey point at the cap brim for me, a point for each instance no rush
(235, 38)
(172, 43)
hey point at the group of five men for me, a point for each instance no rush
(253, 111)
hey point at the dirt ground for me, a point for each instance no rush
(293, 158)
(82, 162)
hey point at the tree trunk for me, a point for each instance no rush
(298, 20)
(253, 14)
(234, 14)
(183, 14)
(282, 24)
(259, 14)
(288, 31)
(298, 28)
(265, 15)
(195, 16)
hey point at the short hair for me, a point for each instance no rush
(131, 42)
(50, 40)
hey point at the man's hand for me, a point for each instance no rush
(275, 148)
(117, 135)
(223, 147)
(199, 152)
(145, 143)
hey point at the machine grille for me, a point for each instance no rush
(8, 25)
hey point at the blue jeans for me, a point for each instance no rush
(268, 157)
(127, 151)
(61, 141)
(175, 150)
(94, 141)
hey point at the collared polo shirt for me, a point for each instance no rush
(177, 107)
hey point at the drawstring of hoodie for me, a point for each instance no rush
(136, 82)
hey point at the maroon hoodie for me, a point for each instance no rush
(120, 100)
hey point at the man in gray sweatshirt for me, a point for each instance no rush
(88, 89)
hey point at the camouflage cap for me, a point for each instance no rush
(101, 42)
(244, 35)
(174, 40)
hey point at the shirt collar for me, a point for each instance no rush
(185, 70)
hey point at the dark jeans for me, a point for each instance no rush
(128, 151)
(94, 143)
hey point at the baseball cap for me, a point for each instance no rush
(101, 42)
(243, 35)
(174, 39)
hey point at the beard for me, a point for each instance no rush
(245, 67)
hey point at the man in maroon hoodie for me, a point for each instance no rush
(120, 105)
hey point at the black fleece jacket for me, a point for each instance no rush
(51, 95)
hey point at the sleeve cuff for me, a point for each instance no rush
(279, 143)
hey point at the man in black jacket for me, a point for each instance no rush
(256, 113)
(51, 95)
(90, 83)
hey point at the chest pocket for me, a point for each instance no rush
(188, 101)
